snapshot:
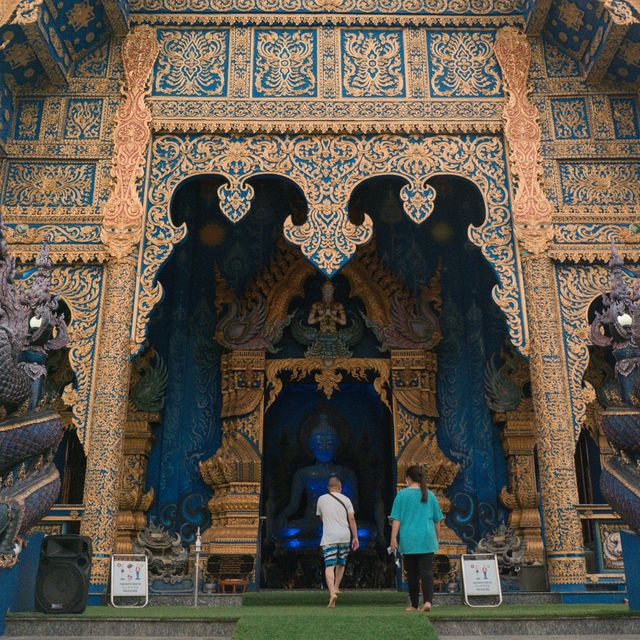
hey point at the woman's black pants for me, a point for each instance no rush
(419, 568)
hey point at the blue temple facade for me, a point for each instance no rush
(200, 169)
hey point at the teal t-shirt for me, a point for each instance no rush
(417, 521)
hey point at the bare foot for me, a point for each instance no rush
(410, 609)
(426, 607)
(332, 602)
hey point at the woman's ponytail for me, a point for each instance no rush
(416, 474)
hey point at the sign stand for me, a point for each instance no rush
(129, 579)
(481, 579)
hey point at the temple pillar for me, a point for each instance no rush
(110, 399)
(234, 472)
(413, 392)
(121, 234)
(519, 442)
(532, 213)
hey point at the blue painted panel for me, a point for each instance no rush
(6, 110)
(624, 112)
(49, 184)
(558, 63)
(373, 63)
(285, 63)
(82, 23)
(192, 63)
(28, 119)
(625, 66)
(462, 64)
(575, 25)
(570, 119)
(18, 58)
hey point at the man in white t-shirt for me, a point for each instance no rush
(339, 535)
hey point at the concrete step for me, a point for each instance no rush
(204, 600)
(579, 627)
(634, 636)
(38, 626)
(509, 597)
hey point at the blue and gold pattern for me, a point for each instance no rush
(625, 118)
(327, 169)
(28, 119)
(192, 62)
(599, 183)
(570, 118)
(83, 119)
(625, 66)
(462, 64)
(49, 184)
(389, 7)
(372, 64)
(284, 64)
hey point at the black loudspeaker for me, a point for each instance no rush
(64, 573)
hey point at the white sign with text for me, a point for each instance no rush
(129, 576)
(480, 576)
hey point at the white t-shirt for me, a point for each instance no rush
(335, 524)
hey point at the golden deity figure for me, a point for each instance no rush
(327, 313)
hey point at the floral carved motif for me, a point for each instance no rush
(462, 64)
(122, 223)
(81, 289)
(49, 184)
(579, 286)
(531, 208)
(83, 119)
(284, 63)
(331, 6)
(569, 117)
(372, 63)
(600, 183)
(191, 63)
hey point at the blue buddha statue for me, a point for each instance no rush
(311, 481)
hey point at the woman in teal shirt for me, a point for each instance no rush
(416, 515)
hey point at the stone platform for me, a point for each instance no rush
(558, 626)
(38, 626)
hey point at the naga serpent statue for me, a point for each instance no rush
(30, 328)
(617, 328)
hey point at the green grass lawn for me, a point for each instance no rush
(360, 615)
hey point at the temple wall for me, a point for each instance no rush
(225, 78)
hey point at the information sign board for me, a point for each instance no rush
(129, 578)
(481, 577)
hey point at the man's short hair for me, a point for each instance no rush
(334, 483)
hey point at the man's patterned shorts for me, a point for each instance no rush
(335, 554)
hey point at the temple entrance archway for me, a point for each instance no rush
(391, 275)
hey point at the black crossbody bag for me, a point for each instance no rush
(344, 506)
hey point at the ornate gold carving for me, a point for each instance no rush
(415, 439)
(372, 64)
(579, 286)
(111, 392)
(327, 374)
(135, 500)
(385, 7)
(191, 63)
(285, 63)
(327, 238)
(531, 208)
(123, 213)
(554, 423)
(234, 472)
(519, 441)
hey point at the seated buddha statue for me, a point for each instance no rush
(311, 482)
